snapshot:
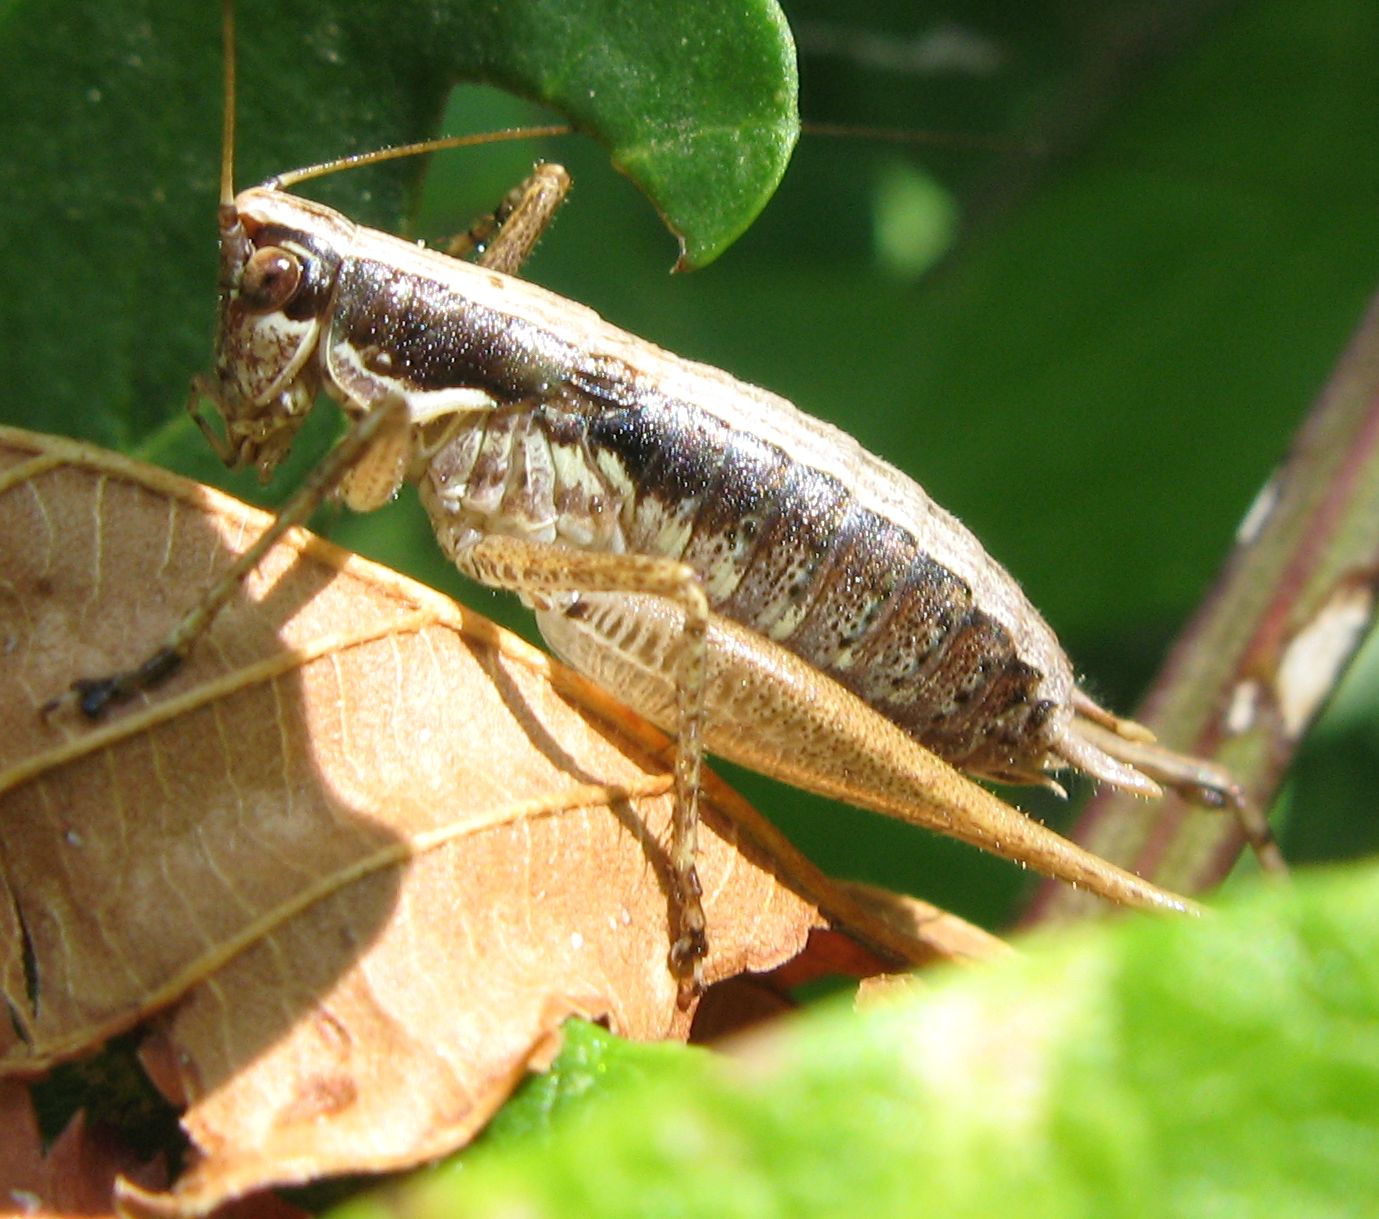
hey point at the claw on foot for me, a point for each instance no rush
(691, 945)
(93, 696)
(687, 964)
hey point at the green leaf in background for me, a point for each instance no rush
(109, 116)
(1228, 1066)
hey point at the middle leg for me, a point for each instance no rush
(539, 569)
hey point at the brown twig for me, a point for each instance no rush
(1252, 670)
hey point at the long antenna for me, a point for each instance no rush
(227, 129)
(884, 134)
(293, 176)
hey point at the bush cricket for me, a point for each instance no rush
(739, 572)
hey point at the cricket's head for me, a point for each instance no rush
(279, 259)
(278, 264)
(264, 381)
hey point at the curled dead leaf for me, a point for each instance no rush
(359, 859)
(74, 1175)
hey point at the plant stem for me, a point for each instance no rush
(1253, 668)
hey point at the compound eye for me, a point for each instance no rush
(271, 278)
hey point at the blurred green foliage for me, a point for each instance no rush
(1144, 1069)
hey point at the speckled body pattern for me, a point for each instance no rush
(782, 548)
(562, 428)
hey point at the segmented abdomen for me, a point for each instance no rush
(788, 551)
(784, 547)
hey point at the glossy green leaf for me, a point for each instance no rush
(697, 102)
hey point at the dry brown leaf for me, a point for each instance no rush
(75, 1176)
(949, 936)
(365, 853)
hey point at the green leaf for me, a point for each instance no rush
(695, 101)
(1227, 1066)
(109, 116)
(592, 1064)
